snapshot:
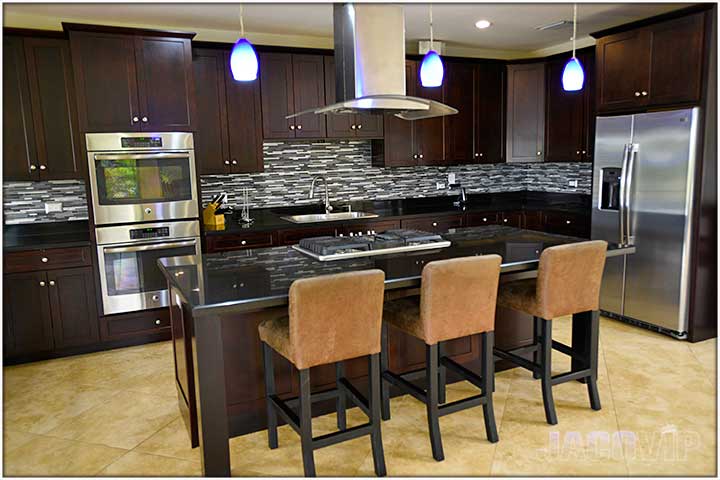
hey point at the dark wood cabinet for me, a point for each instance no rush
(566, 223)
(291, 83)
(656, 65)
(132, 82)
(226, 243)
(397, 148)
(41, 140)
(570, 116)
(348, 126)
(489, 113)
(478, 219)
(525, 119)
(27, 321)
(74, 311)
(435, 223)
(229, 134)
(429, 133)
(366, 228)
(294, 235)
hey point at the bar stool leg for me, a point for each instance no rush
(375, 417)
(546, 377)
(341, 402)
(432, 377)
(593, 332)
(487, 339)
(384, 384)
(306, 424)
(270, 390)
(442, 376)
(536, 341)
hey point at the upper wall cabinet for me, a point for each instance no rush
(525, 138)
(39, 125)
(657, 65)
(289, 84)
(348, 126)
(132, 81)
(570, 121)
(228, 138)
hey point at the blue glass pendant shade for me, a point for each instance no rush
(573, 76)
(431, 70)
(243, 61)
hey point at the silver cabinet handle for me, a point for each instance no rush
(539, 153)
(292, 127)
(144, 119)
(352, 127)
(584, 152)
(578, 152)
(43, 167)
(234, 162)
(156, 298)
(227, 162)
(420, 156)
(644, 93)
(477, 155)
(33, 168)
(505, 220)
(299, 127)
(157, 321)
(567, 222)
(152, 246)
(434, 224)
(44, 259)
(415, 156)
(244, 242)
(481, 154)
(637, 94)
(52, 283)
(135, 119)
(484, 219)
(359, 126)
(42, 284)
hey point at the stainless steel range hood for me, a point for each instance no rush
(370, 65)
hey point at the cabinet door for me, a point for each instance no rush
(623, 63)
(211, 137)
(513, 219)
(308, 92)
(564, 125)
(429, 133)
(26, 308)
(434, 224)
(588, 61)
(490, 108)
(397, 149)
(19, 151)
(53, 105)
(459, 84)
(676, 60)
(368, 125)
(167, 95)
(74, 308)
(276, 77)
(338, 126)
(526, 113)
(244, 125)
(105, 82)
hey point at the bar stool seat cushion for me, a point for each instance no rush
(276, 333)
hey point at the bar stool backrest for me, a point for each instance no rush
(569, 278)
(336, 317)
(458, 297)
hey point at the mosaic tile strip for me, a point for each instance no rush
(24, 202)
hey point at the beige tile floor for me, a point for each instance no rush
(115, 413)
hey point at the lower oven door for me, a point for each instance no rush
(130, 277)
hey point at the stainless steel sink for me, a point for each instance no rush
(328, 217)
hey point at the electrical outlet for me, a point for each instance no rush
(439, 186)
(451, 178)
(51, 207)
(573, 183)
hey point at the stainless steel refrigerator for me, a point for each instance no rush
(642, 195)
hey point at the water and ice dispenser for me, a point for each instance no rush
(610, 188)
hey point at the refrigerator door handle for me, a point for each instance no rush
(623, 192)
(633, 150)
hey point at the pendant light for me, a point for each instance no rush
(431, 68)
(573, 76)
(243, 59)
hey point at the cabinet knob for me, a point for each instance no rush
(584, 152)
(234, 162)
(352, 127)
(539, 153)
(481, 154)
(415, 156)
(52, 283)
(505, 220)
(644, 93)
(42, 284)
(135, 119)
(637, 94)
(157, 321)
(420, 156)
(44, 259)
(156, 298)
(578, 152)
(43, 167)
(299, 127)
(434, 224)
(144, 119)
(567, 222)
(33, 168)
(227, 162)
(484, 219)
(477, 155)
(292, 127)
(244, 242)
(359, 126)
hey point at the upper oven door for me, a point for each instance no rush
(138, 186)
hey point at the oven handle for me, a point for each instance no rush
(140, 156)
(154, 246)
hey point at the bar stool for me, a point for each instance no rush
(568, 283)
(331, 318)
(457, 299)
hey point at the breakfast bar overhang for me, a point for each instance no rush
(218, 300)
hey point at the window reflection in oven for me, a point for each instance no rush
(143, 180)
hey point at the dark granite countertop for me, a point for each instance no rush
(268, 219)
(259, 278)
(37, 236)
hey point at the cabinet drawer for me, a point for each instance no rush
(436, 224)
(129, 324)
(224, 243)
(376, 227)
(483, 218)
(513, 219)
(33, 260)
(291, 237)
(566, 224)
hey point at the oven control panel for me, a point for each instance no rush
(141, 142)
(153, 232)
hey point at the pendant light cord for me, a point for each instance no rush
(431, 29)
(574, 27)
(242, 25)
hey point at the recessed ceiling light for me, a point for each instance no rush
(481, 24)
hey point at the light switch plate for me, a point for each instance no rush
(51, 207)
(451, 178)
(573, 183)
(439, 186)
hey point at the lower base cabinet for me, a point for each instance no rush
(147, 323)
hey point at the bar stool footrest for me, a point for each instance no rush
(341, 436)
(517, 360)
(567, 350)
(471, 377)
(462, 404)
(404, 385)
(570, 376)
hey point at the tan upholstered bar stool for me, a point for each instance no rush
(331, 318)
(457, 299)
(568, 283)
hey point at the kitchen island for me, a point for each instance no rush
(218, 300)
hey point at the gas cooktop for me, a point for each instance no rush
(391, 241)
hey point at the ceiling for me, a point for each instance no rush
(512, 35)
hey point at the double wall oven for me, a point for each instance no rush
(145, 207)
